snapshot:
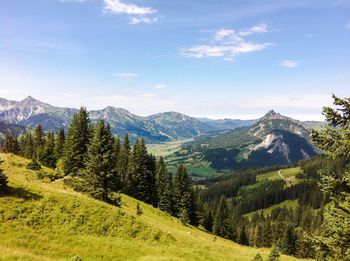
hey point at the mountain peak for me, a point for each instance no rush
(273, 115)
(29, 99)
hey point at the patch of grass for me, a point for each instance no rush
(48, 221)
(286, 173)
(267, 211)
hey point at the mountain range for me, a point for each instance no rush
(156, 128)
(273, 140)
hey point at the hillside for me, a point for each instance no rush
(40, 220)
(273, 140)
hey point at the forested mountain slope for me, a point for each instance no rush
(43, 220)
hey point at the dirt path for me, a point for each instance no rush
(279, 174)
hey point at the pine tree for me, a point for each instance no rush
(39, 141)
(259, 236)
(182, 185)
(166, 202)
(28, 146)
(100, 163)
(289, 241)
(77, 142)
(184, 198)
(161, 180)
(11, 143)
(59, 144)
(242, 237)
(123, 164)
(334, 242)
(47, 156)
(208, 225)
(141, 181)
(221, 226)
(3, 180)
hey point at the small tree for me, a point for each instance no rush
(258, 257)
(3, 181)
(184, 217)
(274, 255)
(33, 165)
(138, 209)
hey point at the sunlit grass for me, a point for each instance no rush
(40, 220)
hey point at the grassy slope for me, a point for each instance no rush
(267, 211)
(45, 221)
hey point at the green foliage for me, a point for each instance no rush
(33, 165)
(99, 175)
(42, 220)
(11, 143)
(258, 257)
(334, 242)
(59, 144)
(76, 145)
(3, 181)
(221, 226)
(274, 255)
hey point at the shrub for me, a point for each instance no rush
(34, 165)
(3, 181)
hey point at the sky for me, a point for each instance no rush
(204, 58)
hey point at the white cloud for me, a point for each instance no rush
(289, 64)
(117, 6)
(257, 29)
(143, 20)
(127, 75)
(140, 14)
(160, 86)
(347, 26)
(229, 43)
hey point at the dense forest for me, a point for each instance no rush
(89, 159)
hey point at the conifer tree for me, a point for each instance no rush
(259, 236)
(38, 136)
(289, 241)
(59, 144)
(182, 185)
(161, 180)
(141, 180)
(242, 237)
(77, 142)
(208, 225)
(184, 198)
(28, 146)
(99, 172)
(166, 202)
(11, 143)
(47, 156)
(3, 180)
(221, 226)
(334, 242)
(123, 163)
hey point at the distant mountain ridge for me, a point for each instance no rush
(156, 128)
(273, 140)
(160, 127)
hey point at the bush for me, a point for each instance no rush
(34, 165)
(3, 181)
(50, 176)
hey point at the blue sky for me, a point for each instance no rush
(222, 58)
